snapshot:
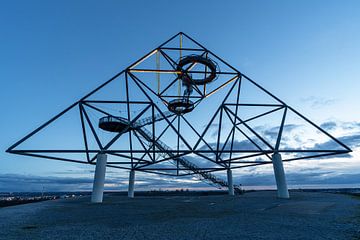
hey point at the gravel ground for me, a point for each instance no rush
(255, 215)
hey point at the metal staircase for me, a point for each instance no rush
(147, 135)
(149, 120)
(189, 166)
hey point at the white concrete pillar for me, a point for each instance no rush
(282, 190)
(99, 178)
(131, 184)
(230, 182)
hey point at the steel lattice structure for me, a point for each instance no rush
(184, 95)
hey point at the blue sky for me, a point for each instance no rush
(52, 53)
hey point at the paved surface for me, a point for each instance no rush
(256, 215)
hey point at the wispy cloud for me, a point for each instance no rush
(340, 125)
(272, 133)
(317, 102)
(301, 137)
(239, 145)
(330, 125)
(351, 141)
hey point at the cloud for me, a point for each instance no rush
(339, 125)
(18, 182)
(351, 125)
(317, 102)
(316, 177)
(272, 133)
(323, 178)
(301, 140)
(328, 125)
(82, 179)
(33, 183)
(238, 145)
(213, 128)
(352, 141)
(80, 171)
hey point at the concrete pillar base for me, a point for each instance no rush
(99, 179)
(230, 182)
(131, 184)
(282, 189)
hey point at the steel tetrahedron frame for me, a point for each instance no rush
(180, 110)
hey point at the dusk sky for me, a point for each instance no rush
(307, 53)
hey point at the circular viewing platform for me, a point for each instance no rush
(113, 124)
(180, 106)
(196, 59)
